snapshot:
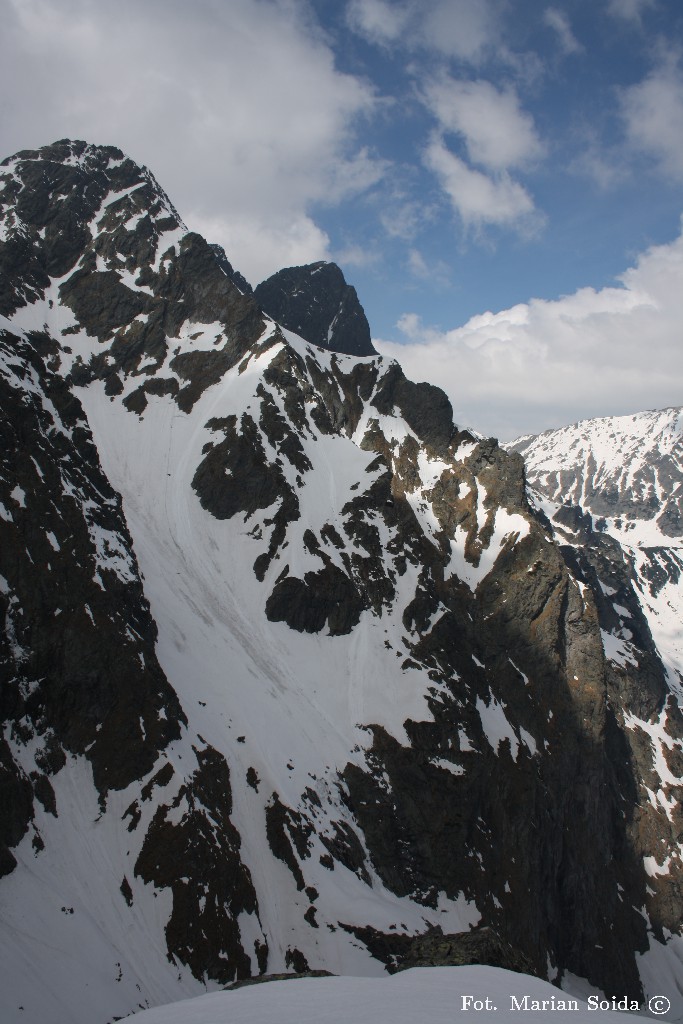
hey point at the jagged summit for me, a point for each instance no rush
(49, 197)
(316, 303)
(346, 668)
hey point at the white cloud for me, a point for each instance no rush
(436, 273)
(417, 264)
(284, 241)
(459, 28)
(405, 219)
(653, 115)
(464, 29)
(545, 363)
(498, 134)
(559, 22)
(357, 256)
(629, 10)
(477, 198)
(377, 20)
(237, 107)
(606, 167)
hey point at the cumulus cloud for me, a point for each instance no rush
(629, 10)
(478, 199)
(436, 272)
(252, 243)
(360, 257)
(546, 363)
(498, 134)
(557, 20)
(377, 20)
(460, 28)
(238, 108)
(464, 29)
(417, 264)
(605, 166)
(405, 218)
(653, 115)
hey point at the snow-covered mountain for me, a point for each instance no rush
(627, 471)
(293, 677)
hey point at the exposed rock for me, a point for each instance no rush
(316, 303)
(322, 598)
(426, 408)
(200, 853)
(279, 977)
(229, 270)
(285, 827)
(79, 664)
(479, 946)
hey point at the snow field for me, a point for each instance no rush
(425, 995)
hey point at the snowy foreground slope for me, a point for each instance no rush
(436, 995)
(293, 675)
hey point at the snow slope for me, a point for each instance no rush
(437, 995)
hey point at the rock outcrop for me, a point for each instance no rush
(317, 304)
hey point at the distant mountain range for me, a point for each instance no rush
(627, 471)
(297, 675)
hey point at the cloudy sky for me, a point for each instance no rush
(502, 180)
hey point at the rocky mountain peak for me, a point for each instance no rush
(316, 303)
(49, 199)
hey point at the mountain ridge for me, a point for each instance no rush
(625, 469)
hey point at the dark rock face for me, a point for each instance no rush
(532, 624)
(79, 671)
(78, 661)
(480, 946)
(16, 809)
(285, 833)
(316, 303)
(28, 261)
(627, 490)
(325, 598)
(201, 854)
(426, 408)
(229, 270)
(536, 636)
